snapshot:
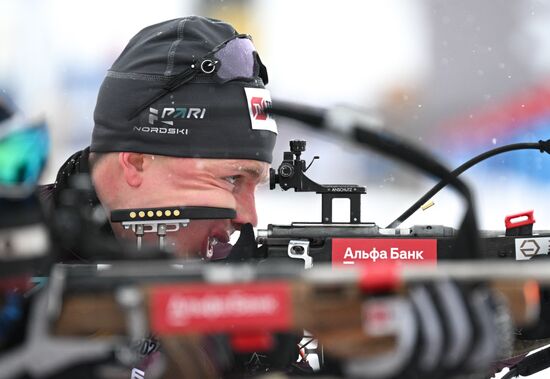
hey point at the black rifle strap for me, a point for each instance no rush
(531, 364)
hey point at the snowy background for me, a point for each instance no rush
(435, 71)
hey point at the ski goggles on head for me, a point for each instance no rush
(23, 154)
(233, 59)
(236, 59)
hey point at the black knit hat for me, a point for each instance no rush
(189, 87)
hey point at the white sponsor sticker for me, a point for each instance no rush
(527, 248)
(258, 99)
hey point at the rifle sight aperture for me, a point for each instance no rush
(291, 174)
(297, 146)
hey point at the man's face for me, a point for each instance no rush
(225, 183)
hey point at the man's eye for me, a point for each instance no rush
(231, 179)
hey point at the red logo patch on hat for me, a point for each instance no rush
(258, 104)
(258, 99)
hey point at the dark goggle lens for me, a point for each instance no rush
(236, 60)
(23, 154)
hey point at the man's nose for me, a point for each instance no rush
(246, 210)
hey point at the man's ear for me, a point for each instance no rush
(132, 167)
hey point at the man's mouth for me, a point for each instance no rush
(216, 249)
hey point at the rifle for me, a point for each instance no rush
(361, 317)
(357, 242)
(366, 244)
(322, 241)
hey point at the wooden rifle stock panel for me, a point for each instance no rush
(523, 298)
(334, 315)
(90, 314)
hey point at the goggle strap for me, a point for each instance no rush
(262, 69)
(182, 78)
(174, 83)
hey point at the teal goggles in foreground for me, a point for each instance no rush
(23, 155)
